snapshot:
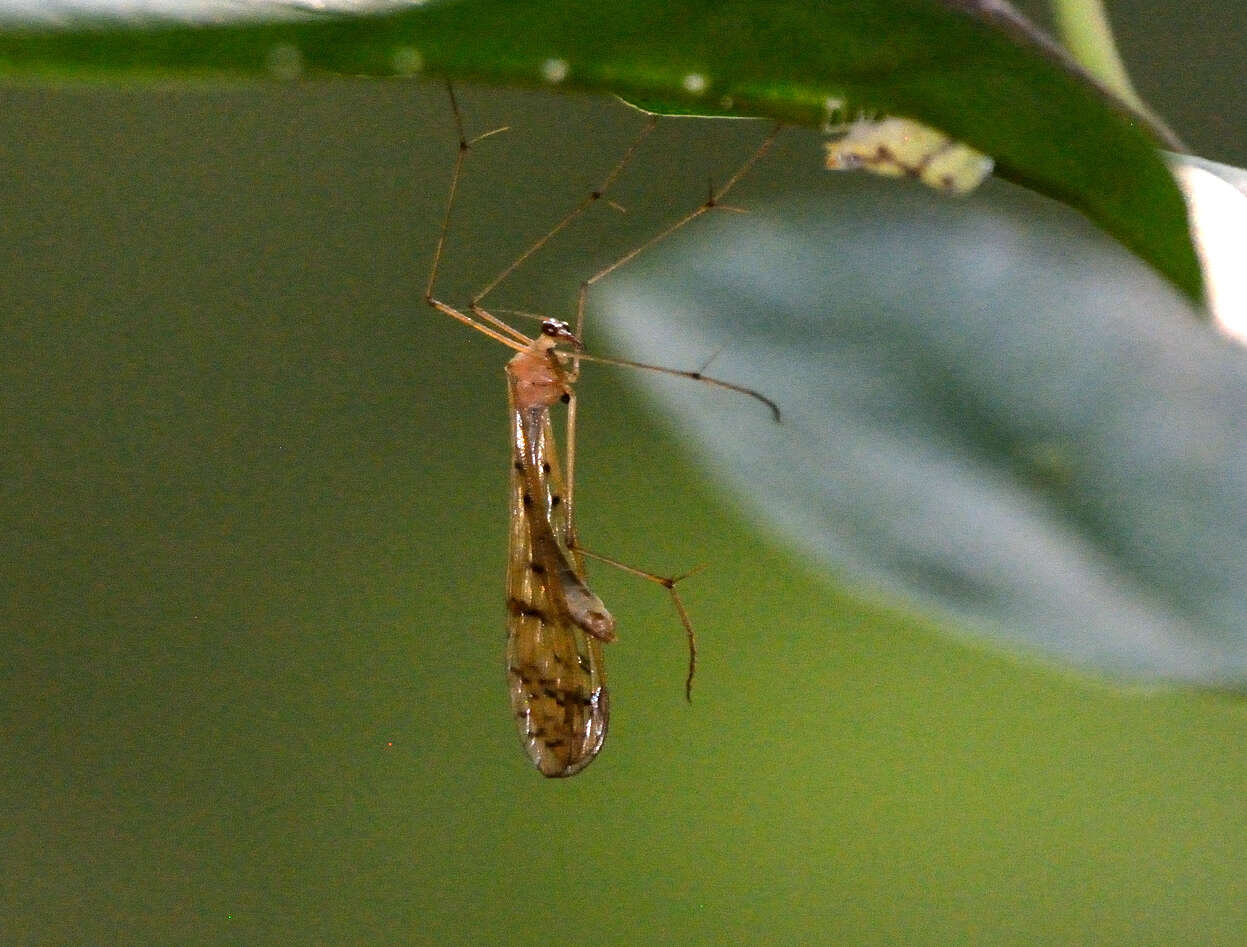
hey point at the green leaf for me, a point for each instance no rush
(1047, 128)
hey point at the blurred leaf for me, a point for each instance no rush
(1046, 127)
(989, 411)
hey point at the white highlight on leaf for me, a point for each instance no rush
(695, 83)
(68, 12)
(555, 70)
(1218, 212)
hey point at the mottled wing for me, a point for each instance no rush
(554, 666)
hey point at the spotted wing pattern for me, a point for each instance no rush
(555, 624)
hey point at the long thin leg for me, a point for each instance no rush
(453, 192)
(712, 201)
(668, 583)
(494, 328)
(591, 198)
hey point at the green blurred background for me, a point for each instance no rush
(254, 526)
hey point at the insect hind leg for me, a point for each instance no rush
(669, 583)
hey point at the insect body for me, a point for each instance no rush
(555, 624)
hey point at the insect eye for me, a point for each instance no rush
(555, 328)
